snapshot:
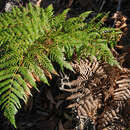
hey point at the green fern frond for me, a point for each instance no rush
(56, 55)
(39, 72)
(32, 39)
(27, 76)
(10, 98)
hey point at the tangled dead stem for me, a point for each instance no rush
(96, 96)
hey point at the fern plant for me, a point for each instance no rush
(32, 38)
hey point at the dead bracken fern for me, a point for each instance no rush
(99, 94)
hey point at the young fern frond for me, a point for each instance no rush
(32, 38)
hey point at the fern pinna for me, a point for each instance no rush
(32, 38)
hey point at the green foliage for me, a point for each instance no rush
(32, 38)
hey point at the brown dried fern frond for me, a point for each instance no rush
(84, 99)
(99, 93)
(120, 23)
(116, 125)
(86, 69)
(108, 117)
(119, 81)
(122, 93)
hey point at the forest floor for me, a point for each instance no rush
(47, 110)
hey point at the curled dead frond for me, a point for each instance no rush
(83, 97)
(99, 93)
